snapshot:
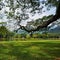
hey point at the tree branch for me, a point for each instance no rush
(45, 23)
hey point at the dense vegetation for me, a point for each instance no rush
(5, 33)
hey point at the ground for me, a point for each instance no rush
(30, 50)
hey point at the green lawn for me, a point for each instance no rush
(30, 50)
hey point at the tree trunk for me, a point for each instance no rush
(31, 34)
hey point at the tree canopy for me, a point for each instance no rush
(20, 10)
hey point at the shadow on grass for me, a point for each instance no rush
(29, 51)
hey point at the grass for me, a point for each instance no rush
(30, 50)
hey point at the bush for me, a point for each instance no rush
(28, 36)
(48, 35)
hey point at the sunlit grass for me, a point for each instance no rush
(30, 50)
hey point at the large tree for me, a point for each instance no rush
(20, 10)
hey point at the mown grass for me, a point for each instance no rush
(30, 50)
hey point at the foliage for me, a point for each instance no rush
(28, 36)
(5, 33)
(23, 35)
(19, 10)
(17, 36)
(46, 36)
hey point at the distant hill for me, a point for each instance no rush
(55, 30)
(21, 31)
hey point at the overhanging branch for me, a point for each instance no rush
(45, 23)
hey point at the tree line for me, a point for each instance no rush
(8, 35)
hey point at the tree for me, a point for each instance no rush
(5, 33)
(3, 23)
(20, 9)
